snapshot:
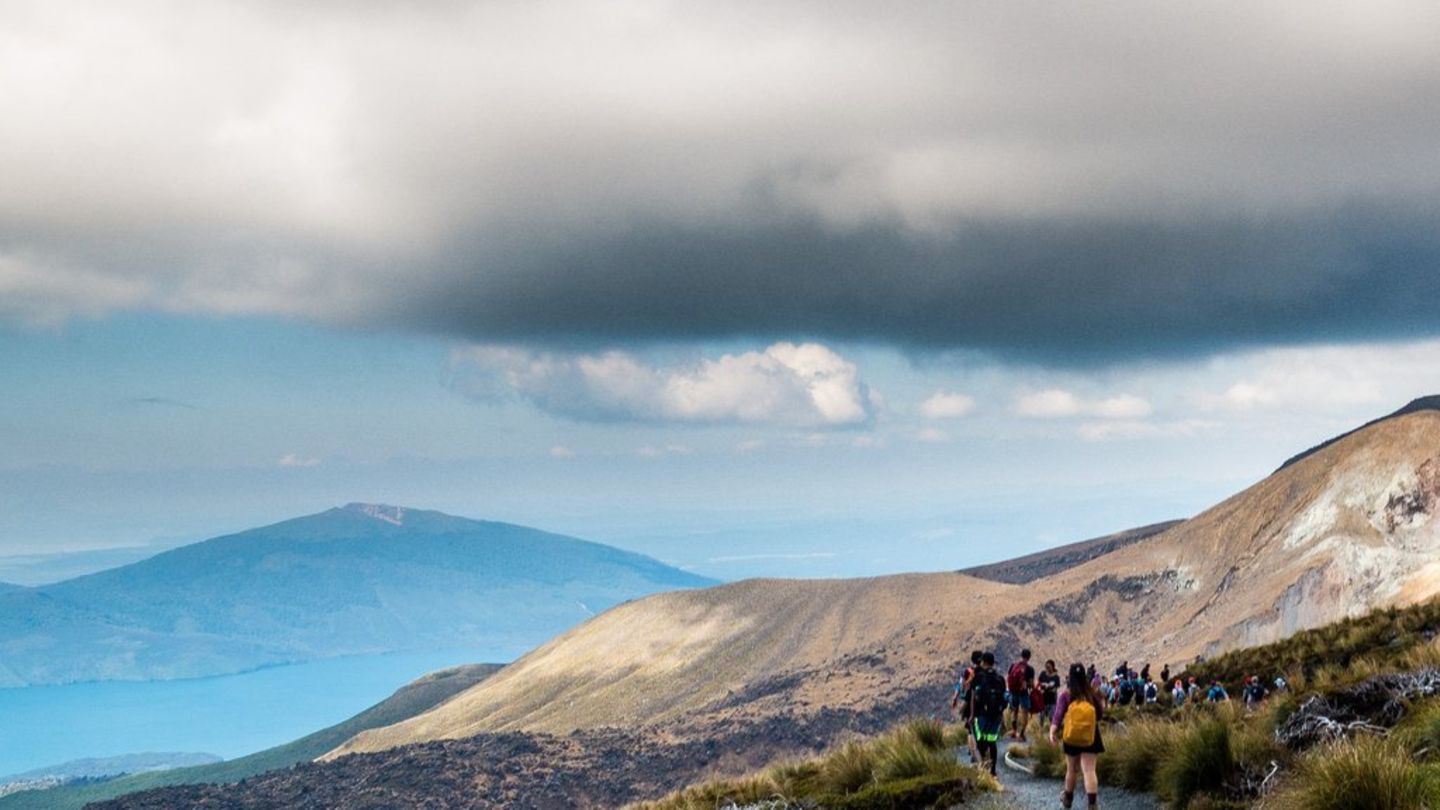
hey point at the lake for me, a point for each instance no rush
(228, 715)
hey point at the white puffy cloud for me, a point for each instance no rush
(1055, 403)
(804, 385)
(1048, 404)
(944, 405)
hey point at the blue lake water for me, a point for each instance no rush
(229, 715)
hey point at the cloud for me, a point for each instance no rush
(653, 451)
(942, 405)
(805, 385)
(560, 451)
(297, 460)
(1336, 379)
(1140, 429)
(1072, 186)
(1054, 403)
(932, 435)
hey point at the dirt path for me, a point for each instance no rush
(1024, 792)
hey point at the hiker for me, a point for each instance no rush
(1281, 684)
(1125, 688)
(1254, 693)
(1145, 672)
(1076, 726)
(962, 694)
(1192, 694)
(1165, 674)
(964, 683)
(987, 710)
(1049, 683)
(1217, 693)
(1018, 682)
(1177, 695)
(1152, 692)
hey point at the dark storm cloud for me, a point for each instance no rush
(1050, 290)
(1068, 184)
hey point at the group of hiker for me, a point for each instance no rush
(1071, 708)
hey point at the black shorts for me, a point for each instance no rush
(1097, 747)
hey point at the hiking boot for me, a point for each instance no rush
(1067, 798)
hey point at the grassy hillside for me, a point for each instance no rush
(408, 701)
(1359, 727)
(1380, 639)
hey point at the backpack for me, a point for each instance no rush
(1080, 722)
(989, 694)
(1016, 679)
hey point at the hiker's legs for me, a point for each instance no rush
(1072, 772)
(1092, 781)
(1024, 722)
(989, 750)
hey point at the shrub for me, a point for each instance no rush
(1047, 759)
(910, 767)
(1420, 731)
(847, 769)
(1365, 773)
(929, 733)
(1134, 755)
(922, 791)
(903, 757)
(1200, 760)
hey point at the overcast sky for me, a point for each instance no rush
(865, 283)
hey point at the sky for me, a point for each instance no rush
(808, 290)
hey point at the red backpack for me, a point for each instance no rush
(1015, 681)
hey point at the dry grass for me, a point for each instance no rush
(1366, 773)
(913, 765)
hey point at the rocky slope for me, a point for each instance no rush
(353, 580)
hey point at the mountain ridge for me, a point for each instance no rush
(1426, 403)
(350, 580)
(1345, 529)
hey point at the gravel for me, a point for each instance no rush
(1024, 792)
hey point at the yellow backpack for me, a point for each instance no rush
(1080, 721)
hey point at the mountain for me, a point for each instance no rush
(1340, 531)
(1031, 567)
(100, 768)
(6, 587)
(359, 579)
(1430, 403)
(408, 701)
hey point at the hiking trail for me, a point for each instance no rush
(1025, 792)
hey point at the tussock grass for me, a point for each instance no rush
(1201, 760)
(1366, 773)
(1135, 755)
(1327, 657)
(914, 765)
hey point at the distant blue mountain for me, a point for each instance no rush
(359, 579)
